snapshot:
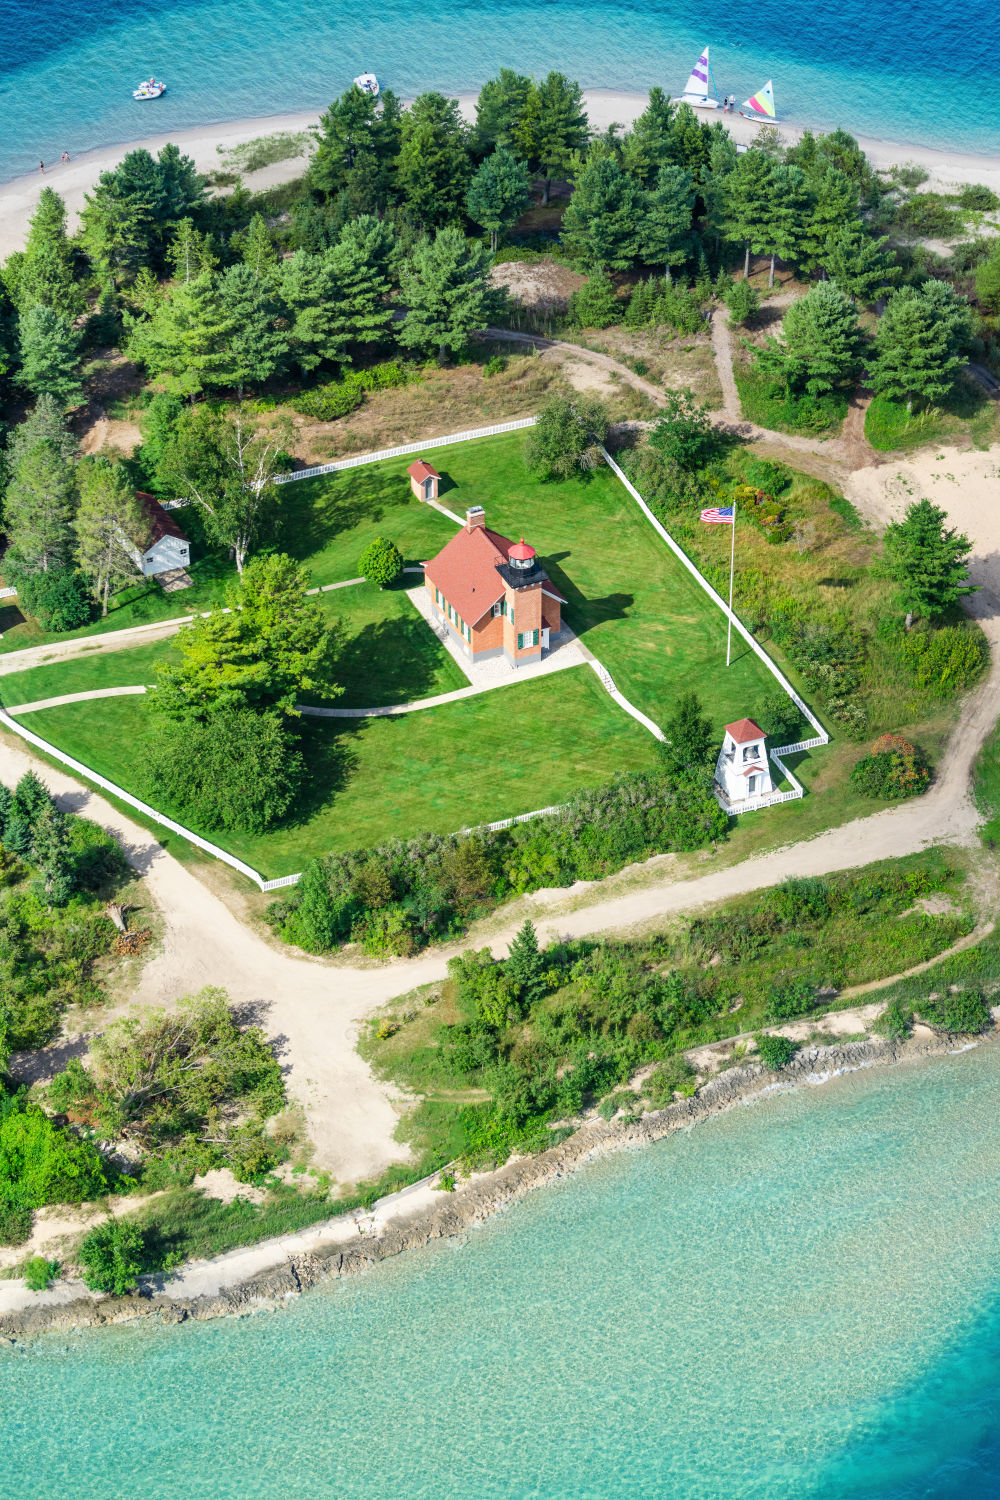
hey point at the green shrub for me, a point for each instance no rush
(495, 366)
(595, 304)
(675, 1075)
(895, 1022)
(779, 718)
(929, 214)
(789, 998)
(964, 1011)
(40, 1273)
(381, 562)
(766, 474)
(111, 1257)
(894, 770)
(15, 1223)
(58, 599)
(328, 402)
(775, 1051)
(976, 195)
(948, 660)
(801, 898)
(767, 402)
(743, 301)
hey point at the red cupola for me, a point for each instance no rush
(521, 555)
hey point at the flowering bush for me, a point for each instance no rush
(895, 769)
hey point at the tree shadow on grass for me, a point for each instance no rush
(388, 661)
(315, 510)
(331, 760)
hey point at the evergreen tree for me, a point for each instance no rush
(560, 128)
(784, 232)
(858, 264)
(822, 342)
(445, 286)
(46, 423)
(834, 205)
(525, 966)
(190, 252)
(52, 855)
(362, 263)
(987, 277)
(498, 193)
(182, 191)
(650, 145)
(258, 249)
(920, 343)
(665, 230)
(928, 560)
(6, 801)
(188, 339)
(50, 356)
(44, 271)
(358, 143)
(595, 304)
(38, 510)
(748, 195)
(722, 161)
(692, 141)
(30, 800)
(432, 168)
(114, 232)
(500, 108)
(602, 223)
(309, 289)
(112, 528)
(104, 325)
(257, 347)
(687, 753)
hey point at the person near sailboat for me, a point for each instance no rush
(696, 91)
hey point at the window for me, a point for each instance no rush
(750, 752)
(527, 638)
(498, 608)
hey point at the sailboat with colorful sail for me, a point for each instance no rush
(700, 87)
(760, 106)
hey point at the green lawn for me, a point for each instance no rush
(439, 769)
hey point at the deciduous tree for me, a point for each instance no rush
(565, 437)
(111, 528)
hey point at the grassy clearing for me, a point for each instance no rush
(986, 789)
(682, 360)
(968, 413)
(365, 782)
(767, 403)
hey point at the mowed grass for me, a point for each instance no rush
(505, 752)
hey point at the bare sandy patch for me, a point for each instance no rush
(106, 433)
(544, 285)
(220, 1184)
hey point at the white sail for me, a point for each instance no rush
(696, 90)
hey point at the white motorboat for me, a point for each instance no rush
(149, 90)
(696, 90)
(367, 83)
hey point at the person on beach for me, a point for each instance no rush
(41, 167)
(64, 157)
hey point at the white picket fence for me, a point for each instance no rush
(400, 452)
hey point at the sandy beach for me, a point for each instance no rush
(18, 198)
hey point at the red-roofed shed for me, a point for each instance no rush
(424, 480)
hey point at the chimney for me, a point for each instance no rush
(475, 516)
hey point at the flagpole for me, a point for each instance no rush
(732, 563)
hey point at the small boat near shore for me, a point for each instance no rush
(368, 84)
(760, 106)
(149, 90)
(696, 91)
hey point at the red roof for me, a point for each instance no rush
(521, 551)
(161, 522)
(745, 730)
(466, 571)
(752, 770)
(421, 470)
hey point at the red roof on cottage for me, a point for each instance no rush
(422, 470)
(521, 551)
(161, 522)
(745, 730)
(466, 571)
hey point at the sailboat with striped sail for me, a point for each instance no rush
(760, 106)
(696, 90)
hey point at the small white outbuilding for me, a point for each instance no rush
(168, 547)
(743, 773)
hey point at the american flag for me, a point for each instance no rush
(722, 515)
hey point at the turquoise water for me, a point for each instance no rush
(799, 1300)
(905, 70)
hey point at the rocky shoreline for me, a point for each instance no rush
(339, 1247)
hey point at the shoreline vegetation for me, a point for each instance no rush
(267, 1275)
(204, 143)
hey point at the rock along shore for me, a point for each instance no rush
(340, 1247)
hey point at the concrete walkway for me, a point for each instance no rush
(112, 692)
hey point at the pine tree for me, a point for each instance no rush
(38, 510)
(498, 193)
(525, 966)
(432, 168)
(52, 856)
(257, 348)
(595, 304)
(30, 799)
(822, 342)
(50, 356)
(362, 263)
(182, 191)
(500, 108)
(6, 802)
(650, 145)
(358, 144)
(445, 286)
(784, 230)
(665, 229)
(920, 343)
(114, 232)
(860, 266)
(188, 338)
(834, 205)
(112, 529)
(560, 128)
(308, 287)
(46, 423)
(987, 276)
(687, 751)
(748, 195)
(928, 560)
(601, 225)
(44, 272)
(722, 161)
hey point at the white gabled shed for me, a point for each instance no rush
(743, 771)
(168, 547)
